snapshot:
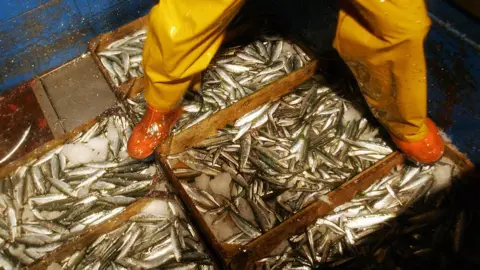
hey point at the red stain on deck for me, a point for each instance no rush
(41, 122)
(12, 107)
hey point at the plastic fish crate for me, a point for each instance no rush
(417, 202)
(245, 255)
(195, 134)
(89, 234)
(135, 85)
(239, 256)
(86, 239)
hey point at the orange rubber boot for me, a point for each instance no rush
(425, 151)
(154, 127)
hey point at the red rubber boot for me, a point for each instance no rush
(154, 127)
(425, 151)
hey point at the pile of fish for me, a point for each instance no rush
(79, 184)
(234, 74)
(123, 58)
(138, 106)
(363, 227)
(238, 72)
(160, 237)
(276, 160)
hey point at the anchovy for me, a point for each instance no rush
(122, 58)
(148, 244)
(17, 145)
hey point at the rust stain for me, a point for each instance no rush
(41, 122)
(12, 107)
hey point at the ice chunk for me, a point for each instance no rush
(221, 184)
(112, 132)
(94, 151)
(442, 174)
(77, 153)
(202, 181)
(100, 148)
(352, 113)
(223, 229)
(157, 207)
(151, 170)
(122, 155)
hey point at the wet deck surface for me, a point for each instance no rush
(19, 109)
(53, 104)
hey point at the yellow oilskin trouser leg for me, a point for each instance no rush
(183, 37)
(382, 43)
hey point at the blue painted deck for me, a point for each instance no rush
(38, 35)
(453, 60)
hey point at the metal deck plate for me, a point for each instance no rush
(78, 92)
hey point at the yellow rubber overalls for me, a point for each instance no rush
(380, 40)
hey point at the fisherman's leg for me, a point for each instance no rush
(183, 36)
(382, 43)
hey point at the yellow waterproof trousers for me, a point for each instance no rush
(381, 42)
(183, 37)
